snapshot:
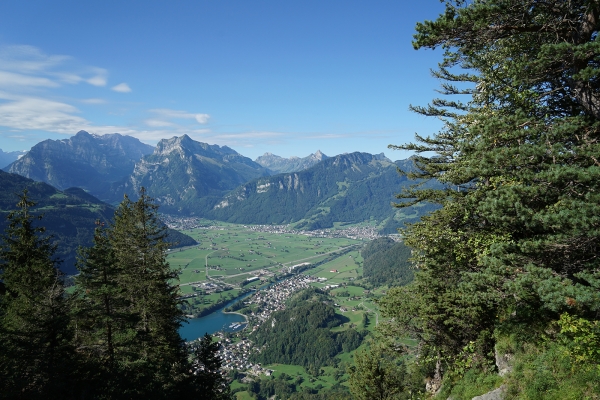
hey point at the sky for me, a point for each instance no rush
(286, 77)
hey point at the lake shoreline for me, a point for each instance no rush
(235, 312)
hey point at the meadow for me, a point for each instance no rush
(230, 254)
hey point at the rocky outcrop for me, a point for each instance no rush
(183, 174)
(503, 362)
(90, 162)
(496, 394)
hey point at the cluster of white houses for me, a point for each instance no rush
(268, 300)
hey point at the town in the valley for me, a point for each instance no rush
(236, 348)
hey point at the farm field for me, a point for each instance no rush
(230, 254)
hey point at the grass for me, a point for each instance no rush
(235, 253)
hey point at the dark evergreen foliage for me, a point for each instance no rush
(386, 263)
(208, 380)
(69, 216)
(515, 244)
(301, 334)
(37, 357)
(116, 336)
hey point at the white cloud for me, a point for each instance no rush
(31, 113)
(251, 135)
(122, 88)
(93, 101)
(33, 68)
(202, 118)
(97, 80)
(14, 80)
(158, 123)
(166, 114)
(28, 59)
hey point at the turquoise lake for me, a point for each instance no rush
(213, 322)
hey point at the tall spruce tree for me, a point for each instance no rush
(207, 379)
(137, 241)
(105, 324)
(516, 242)
(36, 360)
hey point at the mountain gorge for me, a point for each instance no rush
(87, 161)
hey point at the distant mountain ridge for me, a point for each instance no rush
(7, 158)
(69, 215)
(191, 178)
(348, 188)
(90, 162)
(279, 164)
(183, 175)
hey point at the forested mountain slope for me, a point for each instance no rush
(347, 188)
(301, 335)
(386, 262)
(69, 215)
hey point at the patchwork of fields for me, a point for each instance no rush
(230, 254)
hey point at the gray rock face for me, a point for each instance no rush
(293, 164)
(90, 162)
(503, 362)
(182, 174)
(497, 394)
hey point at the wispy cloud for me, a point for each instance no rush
(28, 66)
(30, 91)
(30, 113)
(93, 101)
(29, 59)
(250, 135)
(122, 88)
(166, 114)
(13, 80)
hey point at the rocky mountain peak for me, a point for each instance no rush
(279, 164)
(84, 160)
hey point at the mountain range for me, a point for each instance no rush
(87, 161)
(183, 175)
(10, 157)
(348, 188)
(190, 178)
(278, 164)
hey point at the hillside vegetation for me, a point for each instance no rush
(348, 188)
(386, 263)
(69, 216)
(301, 334)
(508, 275)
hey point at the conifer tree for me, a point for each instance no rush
(516, 241)
(138, 246)
(208, 380)
(36, 360)
(105, 326)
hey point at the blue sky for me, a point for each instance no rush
(286, 77)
